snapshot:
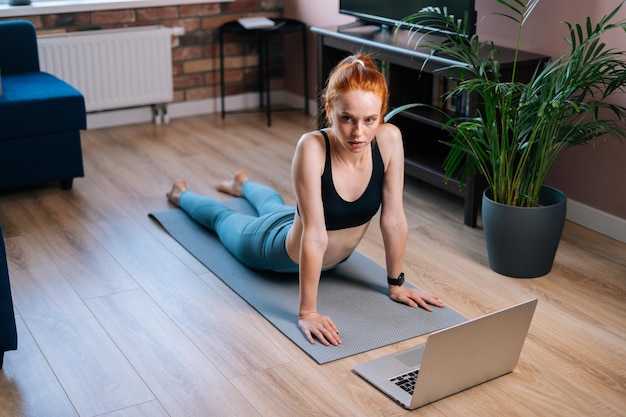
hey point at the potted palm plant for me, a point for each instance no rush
(518, 129)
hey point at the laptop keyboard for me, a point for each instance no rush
(406, 381)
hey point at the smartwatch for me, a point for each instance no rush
(396, 281)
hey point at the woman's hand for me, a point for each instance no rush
(414, 297)
(314, 325)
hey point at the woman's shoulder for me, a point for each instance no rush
(388, 136)
(310, 148)
(313, 139)
(388, 131)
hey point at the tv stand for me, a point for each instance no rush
(410, 81)
(359, 23)
(356, 24)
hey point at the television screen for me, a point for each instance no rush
(392, 12)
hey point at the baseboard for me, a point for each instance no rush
(597, 220)
(119, 117)
(192, 108)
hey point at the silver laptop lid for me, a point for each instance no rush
(471, 353)
(455, 358)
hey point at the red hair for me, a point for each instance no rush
(353, 73)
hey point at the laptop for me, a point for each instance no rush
(453, 359)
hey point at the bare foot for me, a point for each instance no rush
(234, 186)
(177, 189)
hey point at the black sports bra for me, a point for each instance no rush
(342, 214)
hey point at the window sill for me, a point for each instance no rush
(68, 6)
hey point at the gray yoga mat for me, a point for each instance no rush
(354, 294)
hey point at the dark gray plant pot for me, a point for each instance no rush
(522, 241)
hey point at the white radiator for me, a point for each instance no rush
(113, 68)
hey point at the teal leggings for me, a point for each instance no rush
(256, 241)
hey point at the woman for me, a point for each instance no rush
(342, 176)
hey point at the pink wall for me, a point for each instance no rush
(313, 13)
(592, 175)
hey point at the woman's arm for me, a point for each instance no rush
(307, 167)
(393, 222)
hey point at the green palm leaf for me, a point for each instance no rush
(520, 128)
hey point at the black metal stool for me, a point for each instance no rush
(282, 27)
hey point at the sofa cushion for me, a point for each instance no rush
(18, 47)
(38, 103)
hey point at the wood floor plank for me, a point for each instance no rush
(92, 371)
(224, 338)
(288, 385)
(149, 409)
(84, 262)
(177, 372)
(28, 386)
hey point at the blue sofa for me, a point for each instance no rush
(41, 116)
(8, 333)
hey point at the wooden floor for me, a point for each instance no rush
(115, 319)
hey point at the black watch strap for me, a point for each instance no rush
(396, 281)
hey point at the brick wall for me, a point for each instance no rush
(195, 55)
